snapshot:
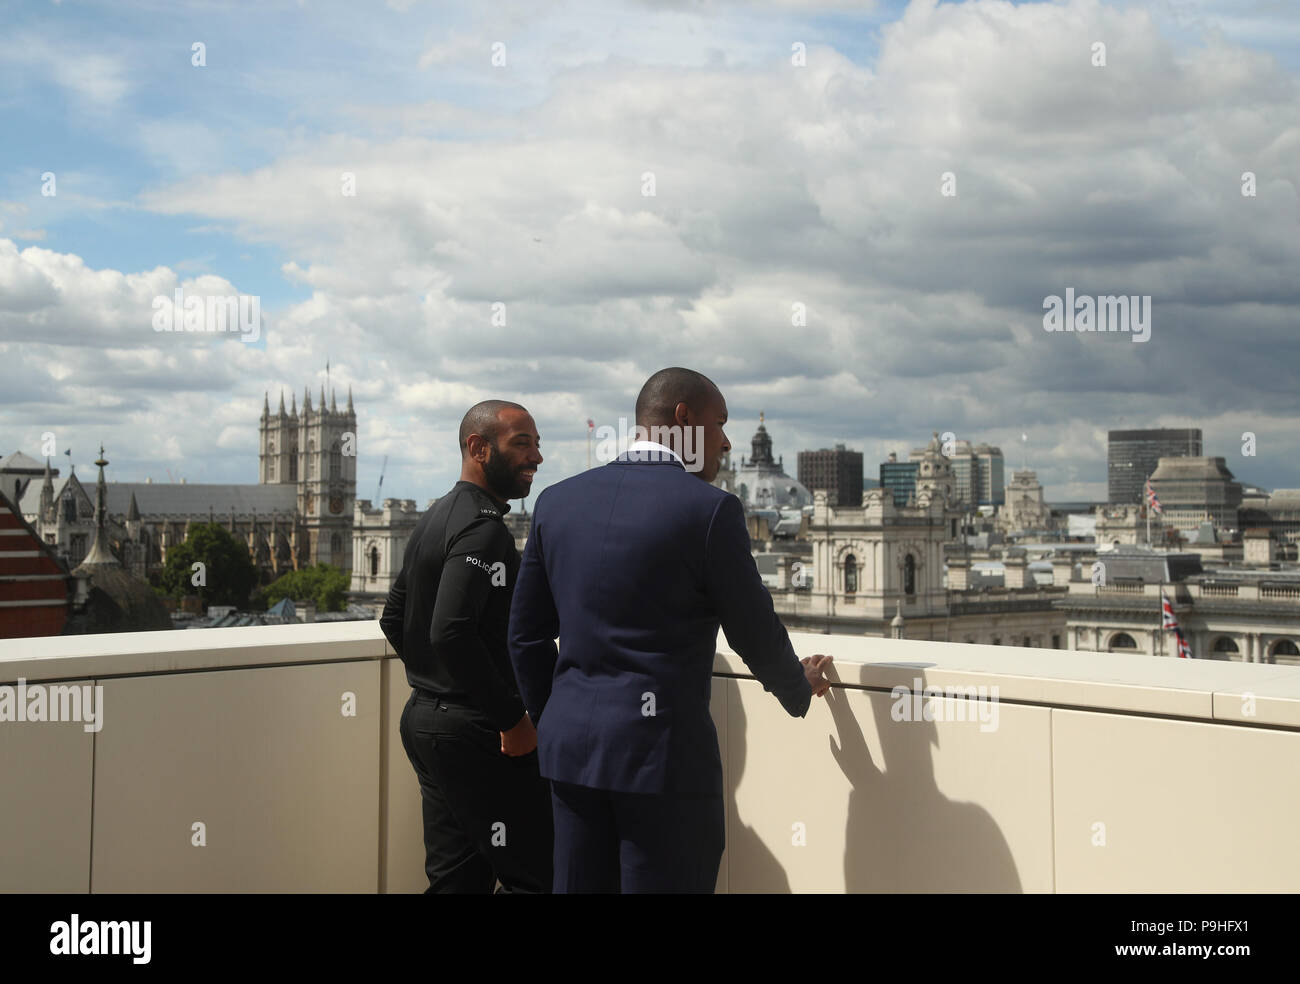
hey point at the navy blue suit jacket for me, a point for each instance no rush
(634, 565)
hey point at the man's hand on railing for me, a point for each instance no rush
(521, 739)
(812, 669)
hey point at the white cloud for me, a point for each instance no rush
(774, 185)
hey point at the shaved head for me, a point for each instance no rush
(658, 399)
(484, 419)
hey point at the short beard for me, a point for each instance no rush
(504, 481)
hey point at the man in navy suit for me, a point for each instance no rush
(634, 566)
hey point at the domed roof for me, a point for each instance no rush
(119, 602)
(770, 489)
(761, 483)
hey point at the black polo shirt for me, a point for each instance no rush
(447, 613)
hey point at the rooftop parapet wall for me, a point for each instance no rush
(929, 767)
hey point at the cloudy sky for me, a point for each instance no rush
(503, 154)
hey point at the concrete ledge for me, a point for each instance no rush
(1135, 684)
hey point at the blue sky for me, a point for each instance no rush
(522, 183)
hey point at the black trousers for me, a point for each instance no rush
(487, 816)
(607, 841)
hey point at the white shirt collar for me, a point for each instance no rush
(656, 446)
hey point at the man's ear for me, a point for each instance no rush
(681, 415)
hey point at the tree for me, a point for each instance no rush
(326, 586)
(227, 575)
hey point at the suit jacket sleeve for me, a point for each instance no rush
(745, 610)
(393, 618)
(534, 623)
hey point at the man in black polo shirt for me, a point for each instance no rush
(487, 810)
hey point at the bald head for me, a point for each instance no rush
(484, 419)
(657, 402)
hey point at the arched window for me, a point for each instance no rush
(1285, 647)
(336, 461)
(1122, 640)
(374, 561)
(293, 465)
(909, 575)
(336, 546)
(69, 508)
(1224, 644)
(850, 574)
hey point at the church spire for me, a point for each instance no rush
(306, 399)
(334, 407)
(294, 398)
(281, 401)
(266, 404)
(47, 489)
(99, 552)
(350, 410)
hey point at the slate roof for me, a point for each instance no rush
(21, 462)
(168, 499)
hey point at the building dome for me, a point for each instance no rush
(118, 602)
(768, 490)
(761, 482)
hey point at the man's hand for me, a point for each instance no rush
(521, 739)
(812, 669)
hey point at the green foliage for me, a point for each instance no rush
(228, 570)
(324, 584)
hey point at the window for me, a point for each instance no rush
(336, 546)
(69, 508)
(1056, 641)
(1122, 640)
(850, 574)
(336, 461)
(909, 575)
(1286, 647)
(374, 561)
(1224, 644)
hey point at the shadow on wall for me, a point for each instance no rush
(903, 834)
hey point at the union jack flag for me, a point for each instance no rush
(590, 424)
(1168, 621)
(1152, 502)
